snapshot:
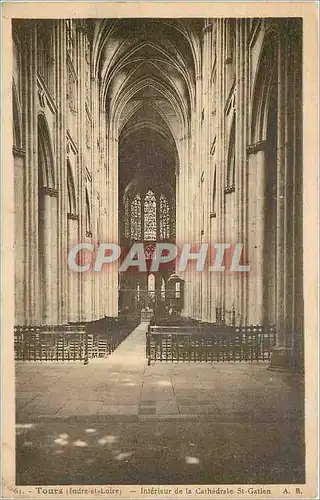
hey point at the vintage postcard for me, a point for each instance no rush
(159, 250)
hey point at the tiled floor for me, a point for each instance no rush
(120, 421)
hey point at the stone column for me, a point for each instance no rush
(54, 268)
(252, 250)
(184, 212)
(206, 167)
(257, 214)
(85, 278)
(104, 162)
(32, 312)
(112, 189)
(295, 221)
(220, 278)
(241, 215)
(259, 230)
(98, 187)
(73, 277)
(19, 238)
(283, 354)
(245, 170)
(61, 169)
(45, 257)
(197, 185)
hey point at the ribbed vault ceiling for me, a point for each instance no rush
(148, 70)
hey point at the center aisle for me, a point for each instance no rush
(131, 352)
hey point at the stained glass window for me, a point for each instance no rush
(151, 286)
(126, 218)
(164, 218)
(150, 216)
(141, 221)
(163, 289)
(172, 222)
(135, 218)
(149, 251)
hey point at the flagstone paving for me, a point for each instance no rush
(120, 421)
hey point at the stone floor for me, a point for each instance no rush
(119, 421)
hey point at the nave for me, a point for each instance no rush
(147, 131)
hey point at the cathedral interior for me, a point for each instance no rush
(177, 131)
(159, 130)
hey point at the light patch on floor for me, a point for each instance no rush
(123, 456)
(108, 440)
(164, 383)
(80, 443)
(25, 426)
(192, 460)
(61, 441)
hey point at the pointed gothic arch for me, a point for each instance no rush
(264, 87)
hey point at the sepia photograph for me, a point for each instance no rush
(158, 311)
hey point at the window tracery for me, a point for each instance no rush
(126, 218)
(164, 218)
(150, 216)
(135, 218)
